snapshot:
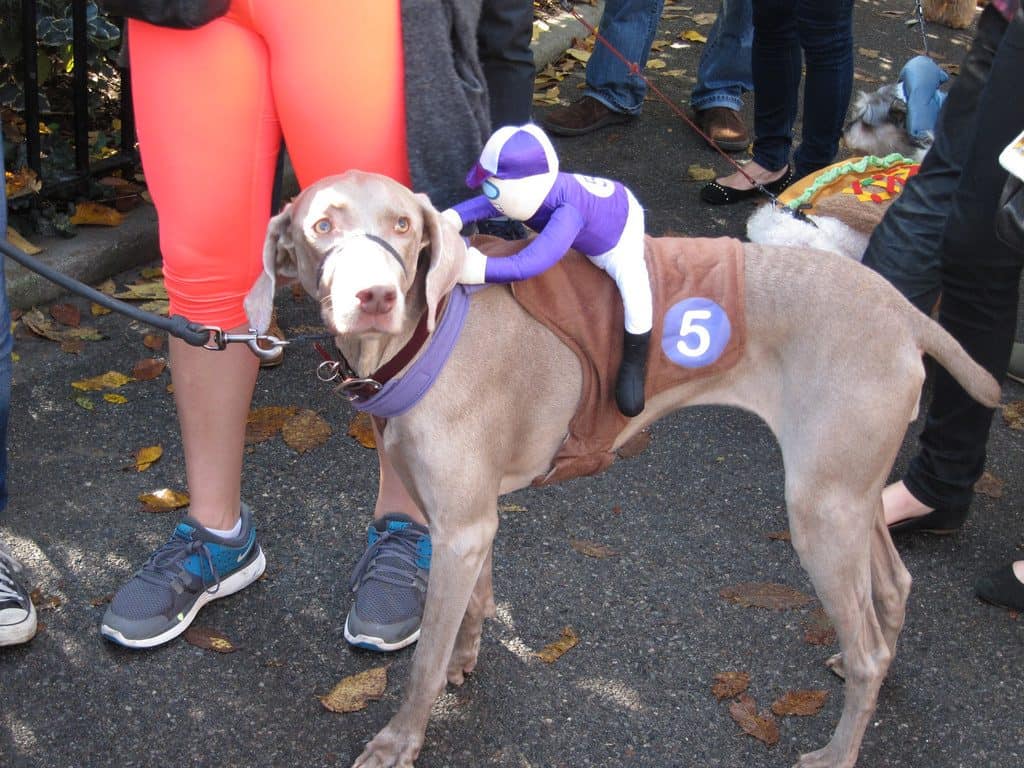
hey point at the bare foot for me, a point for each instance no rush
(752, 169)
(900, 505)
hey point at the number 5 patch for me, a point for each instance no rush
(696, 332)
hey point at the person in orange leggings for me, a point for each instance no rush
(212, 106)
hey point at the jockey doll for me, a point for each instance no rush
(519, 177)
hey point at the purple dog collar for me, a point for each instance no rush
(399, 395)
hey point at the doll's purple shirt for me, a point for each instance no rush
(582, 212)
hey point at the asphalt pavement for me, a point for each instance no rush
(688, 517)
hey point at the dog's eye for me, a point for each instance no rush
(402, 225)
(323, 226)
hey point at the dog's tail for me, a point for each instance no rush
(937, 342)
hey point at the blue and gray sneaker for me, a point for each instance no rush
(17, 614)
(390, 585)
(195, 567)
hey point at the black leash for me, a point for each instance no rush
(206, 336)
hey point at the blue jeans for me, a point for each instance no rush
(6, 346)
(939, 236)
(724, 71)
(629, 26)
(786, 32)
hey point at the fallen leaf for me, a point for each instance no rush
(356, 691)
(116, 399)
(96, 214)
(72, 346)
(108, 380)
(160, 307)
(656, 64)
(148, 368)
(636, 445)
(152, 273)
(752, 594)
(154, 341)
(780, 536)
(36, 322)
(108, 286)
(511, 508)
(693, 36)
(989, 485)
(701, 173)
(578, 54)
(761, 726)
(818, 629)
(85, 402)
(147, 457)
(552, 652)
(209, 639)
(361, 428)
(263, 423)
(868, 53)
(96, 602)
(592, 549)
(1013, 414)
(164, 500)
(24, 181)
(305, 431)
(43, 601)
(143, 292)
(703, 19)
(802, 703)
(730, 684)
(66, 314)
(14, 238)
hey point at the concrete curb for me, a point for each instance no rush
(97, 253)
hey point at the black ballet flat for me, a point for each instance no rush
(714, 193)
(1001, 588)
(940, 522)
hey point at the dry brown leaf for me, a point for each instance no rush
(592, 549)
(116, 399)
(66, 314)
(96, 213)
(96, 602)
(780, 535)
(154, 341)
(989, 485)
(552, 652)
(305, 431)
(43, 601)
(753, 594)
(361, 428)
(40, 325)
(636, 445)
(108, 287)
(1013, 414)
(263, 423)
(108, 380)
(148, 368)
(511, 508)
(150, 291)
(701, 173)
(693, 36)
(152, 273)
(656, 64)
(818, 629)
(730, 684)
(164, 500)
(147, 457)
(15, 238)
(72, 346)
(868, 53)
(209, 639)
(802, 703)
(704, 19)
(24, 181)
(761, 726)
(356, 691)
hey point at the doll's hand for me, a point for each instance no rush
(450, 214)
(474, 268)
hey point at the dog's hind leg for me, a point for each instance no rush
(467, 642)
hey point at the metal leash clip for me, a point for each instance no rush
(349, 388)
(219, 341)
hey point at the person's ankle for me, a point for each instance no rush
(900, 504)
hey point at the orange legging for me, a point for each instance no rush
(212, 105)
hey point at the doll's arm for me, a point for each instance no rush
(468, 211)
(545, 249)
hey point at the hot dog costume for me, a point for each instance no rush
(519, 176)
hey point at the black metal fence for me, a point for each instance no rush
(84, 167)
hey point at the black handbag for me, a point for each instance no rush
(179, 14)
(1010, 214)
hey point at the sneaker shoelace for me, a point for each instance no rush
(400, 546)
(166, 563)
(8, 589)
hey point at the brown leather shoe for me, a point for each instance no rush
(582, 117)
(724, 127)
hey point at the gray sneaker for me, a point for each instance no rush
(390, 585)
(195, 567)
(17, 614)
(1016, 368)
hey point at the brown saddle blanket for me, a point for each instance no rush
(580, 303)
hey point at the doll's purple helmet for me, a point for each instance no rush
(514, 152)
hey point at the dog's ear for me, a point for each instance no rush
(278, 261)
(447, 253)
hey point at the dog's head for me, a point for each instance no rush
(369, 250)
(878, 125)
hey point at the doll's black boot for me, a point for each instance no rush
(629, 387)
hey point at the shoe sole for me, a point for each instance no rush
(604, 122)
(729, 146)
(237, 581)
(1015, 377)
(22, 632)
(377, 643)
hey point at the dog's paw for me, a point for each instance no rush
(389, 749)
(825, 758)
(462, 663)
(835, 663)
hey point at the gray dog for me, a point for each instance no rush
(832, 363)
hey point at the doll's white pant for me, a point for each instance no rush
(628, 268)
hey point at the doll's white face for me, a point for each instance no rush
(518, 198)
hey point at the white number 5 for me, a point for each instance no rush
(690, 324)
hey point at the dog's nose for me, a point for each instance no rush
(378, 300)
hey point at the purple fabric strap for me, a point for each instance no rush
(399, 395)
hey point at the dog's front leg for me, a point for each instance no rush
(467, 642)
(458, 557)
